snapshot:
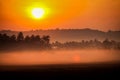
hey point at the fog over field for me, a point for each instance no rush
(59, 57)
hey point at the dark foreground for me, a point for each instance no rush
(66, 71)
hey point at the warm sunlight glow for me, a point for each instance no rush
(26, 15)
(38, 13)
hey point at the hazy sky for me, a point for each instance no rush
(96, 14)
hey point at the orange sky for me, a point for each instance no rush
(96, 14)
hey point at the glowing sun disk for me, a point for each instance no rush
(38, 13)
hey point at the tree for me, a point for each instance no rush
(37, 38)
(1, 38)
(20, 37)
(27, 39)
(5, 38)
(32, 38)
(46, 39)
(0, 35)
(13, 38)
(106, 43)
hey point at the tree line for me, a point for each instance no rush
(21, 41)
(37, 42)
(91, 44)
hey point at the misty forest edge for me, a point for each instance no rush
(37, 42)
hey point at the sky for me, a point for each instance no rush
(64, 14)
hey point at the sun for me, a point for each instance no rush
(38, 13)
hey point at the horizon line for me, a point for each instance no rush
(57, 29)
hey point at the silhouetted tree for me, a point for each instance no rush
(37, 38)
(0, 37)
(27, 39)
(106, 43)
(57, 44)
(36, 42)
(5, 38)
(32, 38)
(96, 43)
(13, 38)
(46, 39)
(32, 42)
(20, 37)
